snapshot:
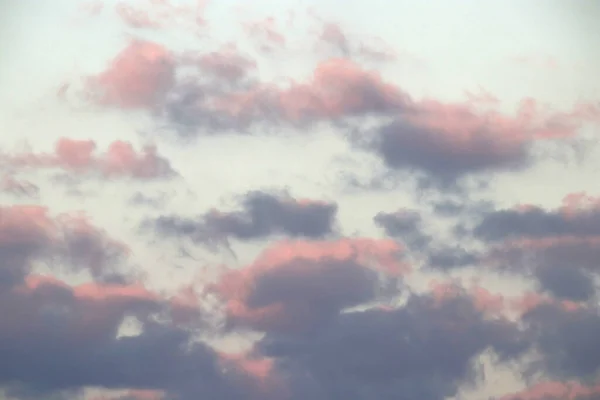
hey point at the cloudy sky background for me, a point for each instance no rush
(298, 199)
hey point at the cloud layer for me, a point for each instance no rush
(233, 235)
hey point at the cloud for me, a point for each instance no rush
(312, 305)
(408, 226)
(138, 77)
(338, 88)
(552, 390)
(577, 217)
(265, 33)
(405, 224)
(566, 282)
(56, 337)
(558, 247)
(30, 233)
(447, 141)
(119, 160)
(566, 340)
(136, 17)
(420, 350)
(332, 33)
(297, 286)
(348, 46)
(18, 187)
(140, 198)
(227, 64)
(91, 8)
(452, 257)
(263, 215)
(133, 395)
(161, 14)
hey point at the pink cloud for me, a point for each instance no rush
(26, 224)
(71, 238)
(552, 390)
(138, 77)
(337, 88)
(313, 266)
(120, 159)
(101, 293)
(531, 300)
(483, 300)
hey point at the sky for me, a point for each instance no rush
(222, 199)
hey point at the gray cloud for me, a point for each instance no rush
(404, 224)
(565, 282)
(451, 257)
(536, 223)
(560, 251)
(262, 215)
(403, 145)
(421, 350)
(54, 339)
(568, 340)
(308, 294)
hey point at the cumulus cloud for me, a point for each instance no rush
(59, 338)
(295, 286)
(420, 350)
(447, 141)
(566, 340)
(139, 76)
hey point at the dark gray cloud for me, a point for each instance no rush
(557, 249)
(504, 224)
(436, 154)
(69, 244)
(308, 294)
(54, 338)
(451, 257)
(565, 282)
(262, 215)
(445, 143)
(422, 350)
(564, 268)
(406, 225)
(568, 340)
